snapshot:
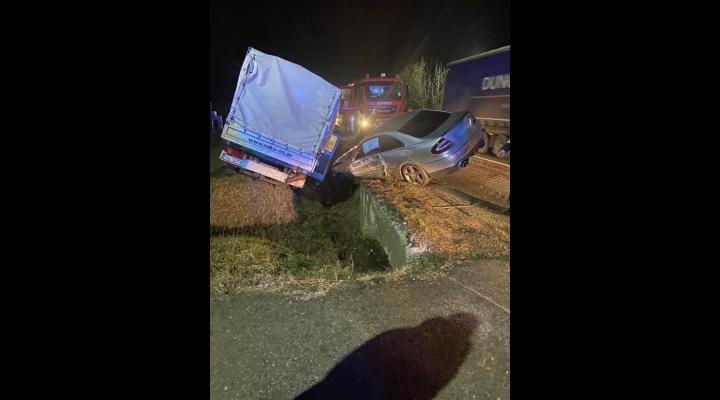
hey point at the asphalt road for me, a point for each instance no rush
(445, 338)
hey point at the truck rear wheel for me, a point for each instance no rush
(498, 144)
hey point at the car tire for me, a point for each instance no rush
(414, 174)
(486, 143)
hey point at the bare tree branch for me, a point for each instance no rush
(426, 84)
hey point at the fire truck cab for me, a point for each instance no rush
(370, 101)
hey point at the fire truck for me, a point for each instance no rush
(369, 101)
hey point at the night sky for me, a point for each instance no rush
(343, 40)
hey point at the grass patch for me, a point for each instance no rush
(265, 236)
(425, 267)
(237, 202)
(240, 261)
(307, 247)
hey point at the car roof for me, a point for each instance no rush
(391, 127)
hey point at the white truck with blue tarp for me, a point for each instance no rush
(281, 120)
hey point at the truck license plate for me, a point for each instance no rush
(233, 160)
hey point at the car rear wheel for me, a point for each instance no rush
(414, 174)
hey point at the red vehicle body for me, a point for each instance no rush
(369, 101)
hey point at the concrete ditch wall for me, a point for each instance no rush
(379, 221)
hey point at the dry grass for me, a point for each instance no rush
(266, 237)
(239, 202)
(238, 261)
(458, 233)
(288, 242)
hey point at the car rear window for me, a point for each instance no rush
(424, 123)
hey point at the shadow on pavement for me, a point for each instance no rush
(410, 363)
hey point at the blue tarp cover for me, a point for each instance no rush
(283, 101)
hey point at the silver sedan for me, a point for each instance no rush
(416, 147)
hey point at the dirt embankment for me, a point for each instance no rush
(237, 202)
(265, 235)
(446, 221)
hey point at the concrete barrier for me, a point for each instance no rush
(379, 221)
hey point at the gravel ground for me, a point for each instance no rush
(482, 179)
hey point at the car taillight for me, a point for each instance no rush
(441, 146)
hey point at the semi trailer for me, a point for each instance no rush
(481, 84)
